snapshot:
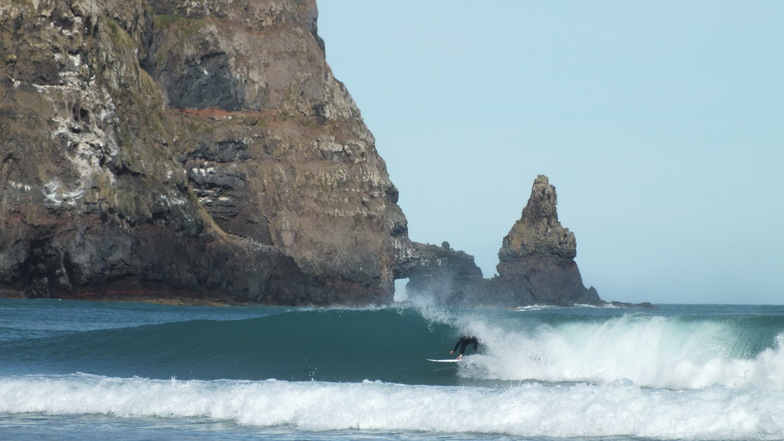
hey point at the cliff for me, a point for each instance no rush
(203, 149)
(170, 147)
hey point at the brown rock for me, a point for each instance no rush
(538, 231)
(537, 257)
(170, 147)
(536, 264)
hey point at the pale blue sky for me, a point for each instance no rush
(661, 125)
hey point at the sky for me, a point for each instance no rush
(661, 125)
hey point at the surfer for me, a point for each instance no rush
(463, 342)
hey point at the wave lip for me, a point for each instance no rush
(531, 410)
(650, 351)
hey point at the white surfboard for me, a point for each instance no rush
(446, 360)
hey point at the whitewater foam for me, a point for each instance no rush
(531, 409)
(650, 351)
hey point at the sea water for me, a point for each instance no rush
(94, 371)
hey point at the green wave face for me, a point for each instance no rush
(331, 345)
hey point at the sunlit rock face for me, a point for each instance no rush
(186, 148)
(538, 230)
(536, 260)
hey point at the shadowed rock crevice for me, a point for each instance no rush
(206, 82)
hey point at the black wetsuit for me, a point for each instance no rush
(465, 341)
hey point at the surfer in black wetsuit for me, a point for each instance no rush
(463, 342)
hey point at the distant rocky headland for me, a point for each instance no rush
(203, 150)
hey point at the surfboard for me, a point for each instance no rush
(446, 360)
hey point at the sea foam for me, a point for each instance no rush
(528, 409)
(649, 351)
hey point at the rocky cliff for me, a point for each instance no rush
(203, 149)
(173, 147)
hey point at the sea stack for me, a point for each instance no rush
(536, 264)
(536, 260)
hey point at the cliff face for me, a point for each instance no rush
(176, 147)
(279, 152)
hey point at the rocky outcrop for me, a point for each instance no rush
(537, 258)
(538, 231)
(536, 264)
(441, 274)
(172, 147)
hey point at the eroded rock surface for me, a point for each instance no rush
(536, 260)
(172, 147)
(536, 264)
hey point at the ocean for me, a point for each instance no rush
(78, 370)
